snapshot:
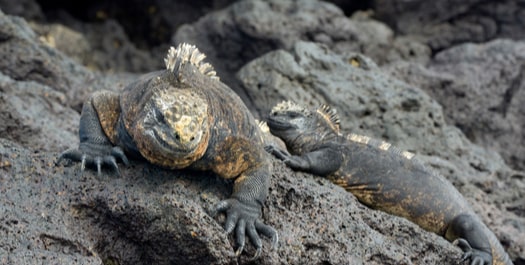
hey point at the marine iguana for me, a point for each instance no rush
(381, 177)
(183, 117)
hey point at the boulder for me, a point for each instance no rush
(247, 29)
(480, 87)
(150, 215)
(443, 24)
(52, 213)
(374, 103)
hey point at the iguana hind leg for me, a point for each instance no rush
(471, 239)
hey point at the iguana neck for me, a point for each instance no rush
(312, 140)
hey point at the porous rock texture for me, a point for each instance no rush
(442, 24)
(382, 84)
(373, 103)
(247, 29)
(481, 89)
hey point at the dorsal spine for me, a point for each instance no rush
(379, 144)
(187, 53)
(330, 116)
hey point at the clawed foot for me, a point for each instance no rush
(277, 152)
(295, 162)
(95, 159)
(477, 257)
(245, 219)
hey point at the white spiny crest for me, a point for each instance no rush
(331, 117)
(290, 106)
(187, 53)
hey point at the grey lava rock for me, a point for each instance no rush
(156, 216)
(371, 102)
(442, 24)
(304, 50)
(41, 65)
(98, 46)
(481, 89)
(52, 213)
(38, 82)
(25, 57)
(250, 28)
(24, 115)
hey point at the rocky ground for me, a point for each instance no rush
(443, 80)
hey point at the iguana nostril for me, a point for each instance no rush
(192, 138)
(177, 136)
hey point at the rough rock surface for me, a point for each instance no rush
(156, 216)
(24, 56)
(481, 89)
(147, 23)
(373, 103)
(104, 47)
(52, 214)
(247, 29)
(442, 24)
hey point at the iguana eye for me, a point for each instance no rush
(293, 115)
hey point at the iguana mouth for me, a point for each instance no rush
(165, 145)
(277, 124)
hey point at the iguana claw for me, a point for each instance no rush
(91, 159)
(244, 219)
(477, 257)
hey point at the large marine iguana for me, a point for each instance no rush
(381, 177)
(183, 117)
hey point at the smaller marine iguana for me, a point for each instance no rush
(183, 117)
(381, 177)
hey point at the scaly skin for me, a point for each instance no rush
(381, 177)
(183, 117)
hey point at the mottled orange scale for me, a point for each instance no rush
(106, 103)
(235, 156)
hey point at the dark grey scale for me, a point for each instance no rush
(382, 177)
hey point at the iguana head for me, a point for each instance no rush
(174, 128)
(288, 119)
(298, 126)
(169, 118)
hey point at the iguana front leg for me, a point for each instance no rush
(244, 209)
(95, 148)
(323, 161)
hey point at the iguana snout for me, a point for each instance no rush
(179, 119)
